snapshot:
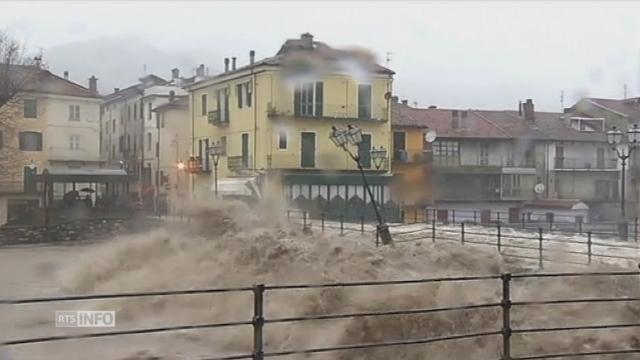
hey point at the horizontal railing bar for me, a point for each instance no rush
(374, 283)
(122, 295)
(590, 353)
(573, 274)
(575, 301)
(382, 313)
(567, 328)
(383, 344)
(230, 357)
(125, 332)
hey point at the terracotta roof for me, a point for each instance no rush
(629, 107)
(44, 81)
(492, 124)
(181, 102)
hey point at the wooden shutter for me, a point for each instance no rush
(319, 96)
(296, 101)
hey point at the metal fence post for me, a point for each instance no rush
(499, 238)
(589, 247)
(506, 316)
(540, 265)
(377, 238)
(475, 217)
(433, 230)
(288, 214)
(523, 221)
(258, 321)
(580, 227)
(424, 215)
(341, 225)
(462, 233)
(322, 221)
(304, 220)
(453, 216)
(550, 223)
(361, 224)
(415, 215)
(498, 216)
(635, 229)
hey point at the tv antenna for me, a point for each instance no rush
(388, 58)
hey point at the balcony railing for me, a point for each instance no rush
(404, 156)
(215, 117)
(563, 163)
(334, 111)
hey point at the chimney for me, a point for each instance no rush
(175, 73)
(528, 110)
(200, 71)
(252, 57)
(520, 108)
(233, 63)
(66, 75)
(432, 107)
(115, 90)
(38, 61)
(405, 102)
(395, 99)
(307, 40)
(226, 64)
(93, 83)
(172, 96)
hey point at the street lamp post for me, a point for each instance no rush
(623, 148)
(343, 138)
(215, 151)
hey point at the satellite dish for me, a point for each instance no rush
(539, 188)
(430, 136)
(387, 95)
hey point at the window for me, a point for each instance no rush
(135, 144)
(446, 153)
(282, 139)
(399, 146)
(248, 91)
(222, 96)
(129, 113)
(74, 112)
(148, 141)
(239, 95)
(135, 111)
(30, 141)
(484, 154)
(511, 185)
(161, 116)
(203, 102)
(308, 99)
(128, 142)
(364, 101)
(223, 145)
(30, 108)
(114, 125)
(113, 151)
(149, 107)
(74, 142)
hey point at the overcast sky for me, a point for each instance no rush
(475, 54)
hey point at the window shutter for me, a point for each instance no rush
(239, 95)
(319, 96)
(296, 101)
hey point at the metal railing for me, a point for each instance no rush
(528, 220)
(539, 246)
(565, 163)
(260, 323)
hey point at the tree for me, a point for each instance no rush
(17, 70)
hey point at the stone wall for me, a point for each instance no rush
(74, 231)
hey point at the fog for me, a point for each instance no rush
(454, 54)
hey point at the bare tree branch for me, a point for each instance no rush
(17, 70)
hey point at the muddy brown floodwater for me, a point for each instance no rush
(232, 244)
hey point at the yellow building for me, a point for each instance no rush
(274, 116)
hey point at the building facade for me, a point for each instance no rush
(129, 137)
(53, 124)
(274, 117)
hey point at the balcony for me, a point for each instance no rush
(584, 164)
(330, 111)
(12, 187)
(215, 118)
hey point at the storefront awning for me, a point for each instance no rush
(89, 175)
